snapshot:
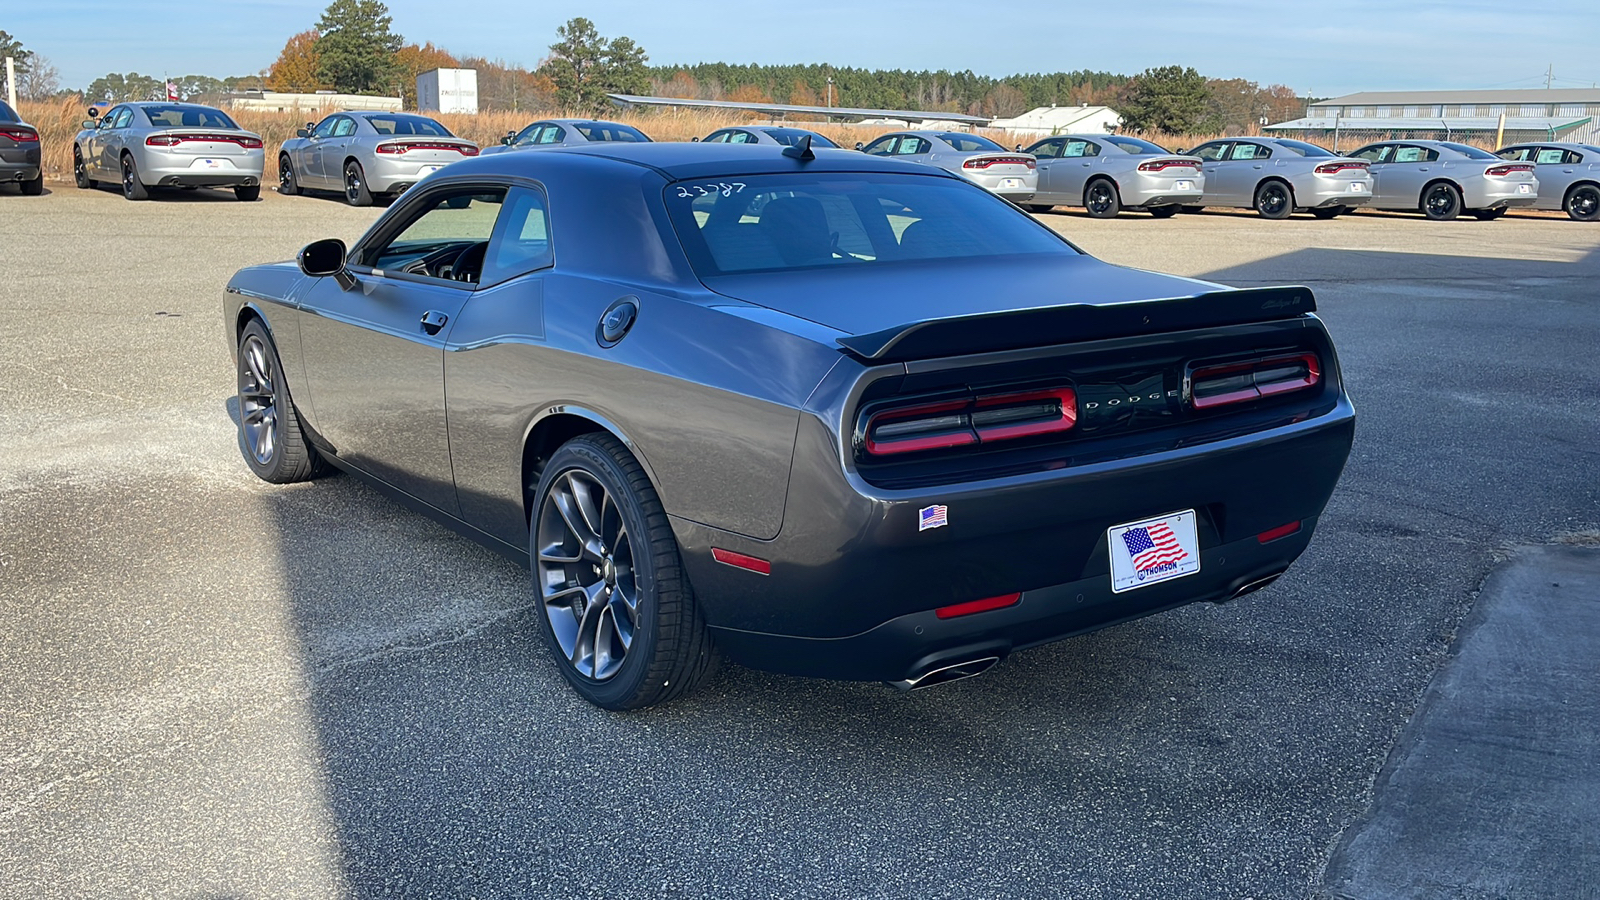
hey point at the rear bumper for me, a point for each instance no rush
(165, 169)
(10, 171)
(391, 176)
(1485, 195)
(188, 180)
(1140, 189)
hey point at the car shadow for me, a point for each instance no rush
(458, 762)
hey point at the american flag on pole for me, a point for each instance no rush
(172, 91)
(1152, 547)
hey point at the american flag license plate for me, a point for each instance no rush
(1153, 550)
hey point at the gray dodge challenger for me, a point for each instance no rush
(819, 412)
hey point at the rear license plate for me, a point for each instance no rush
(206, 164)
(429, 170)
(1011, 182)
(1524, 188)
(1183, 185)
(1357, 187)
(1153, 551)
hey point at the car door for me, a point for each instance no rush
(1407, 169)
(312, 155)
(1078, 159)
(374, 354)
(1240, 173)
(336, 148)
(94, 145)
(1378, 157)
(1215, 157)
(1048, 155)
(112, 139)
(1556, 168)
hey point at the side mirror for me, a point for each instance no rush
(89, 123)
(1019, 148)
(694, 140)
(324, 258)
(301, 132)
(860, 146)
(1179, 150)
(510, 136)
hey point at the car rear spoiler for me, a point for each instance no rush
(1019, 329)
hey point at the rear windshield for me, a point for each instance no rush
(7, 114)
(401, 124)
(969, 143)
(792, 136)
(1302, 148)
(188, 117)
(767, 223)
(1468, 151)
(611, 131)
(1136, 146)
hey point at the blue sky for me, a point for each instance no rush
(1324, 48)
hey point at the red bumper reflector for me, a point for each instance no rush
(1281, 531)
(978, 606)
(740, 561)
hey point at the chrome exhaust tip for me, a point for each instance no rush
(960, 671)
(1251, 587)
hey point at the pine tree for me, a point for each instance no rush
(356, 49)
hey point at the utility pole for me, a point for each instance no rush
(830, 91)
(1549, 76)
(11, 82)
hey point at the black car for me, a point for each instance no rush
(825, 413)
(19, 153)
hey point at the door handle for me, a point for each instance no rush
(1256, 166)
(433, 320)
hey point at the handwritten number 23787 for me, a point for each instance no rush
(726, 189)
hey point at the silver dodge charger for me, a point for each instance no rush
(19, 152)
(1569, 176)
(771, 135)
(1442, 179)
(364, 154)
(1276, 176)
(161, 144)
(1105, 173)
(547, 133)
(1014, 176)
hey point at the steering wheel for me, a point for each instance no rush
(468, 264)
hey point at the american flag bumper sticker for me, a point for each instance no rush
(1153, 551)
(936, 516)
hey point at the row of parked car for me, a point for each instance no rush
(369, 154)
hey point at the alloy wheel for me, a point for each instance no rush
(1441, 202)
(127, 176)
(1584, 204)
(1099, 198)
(285, 177)
(80, 175)
(1272, 201)
(586, 577)
(352, 183)
(258, 399)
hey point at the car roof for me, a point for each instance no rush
(676, 160)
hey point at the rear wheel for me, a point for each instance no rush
(286, 181)
(80, 173)
(248, 194)
(1101, 200)
(1274, 200)
(1163, 212)
(1330, 212)
(1488, 215)
(132, 187)
(616, 607)
(1190, 210)
(1039, 208)
(1441, 202)
(34, 186)
(1583, 203)
(269, 428)
(356, 192)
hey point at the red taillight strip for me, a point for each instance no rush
(1506, 170)
(956, 437)
(1282, 531)
(740, 561)
(1256, 388)
(984, 163)
(20, 136)
(1335, 168)
(1068, 417)
(404, 146)
(173, 140)
(969, 423)
(978, 606)
(1156, 165)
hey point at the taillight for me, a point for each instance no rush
(985, 162)
(392, 148)
(956, 610)
(173, 140)
(468, 151)
(20, 136)
(1506, 170)
(402, 147)
(1157, 165)
(1239, 382)
(958, 423)
(1335, 168)
(163, 140)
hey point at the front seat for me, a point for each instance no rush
(798, 228)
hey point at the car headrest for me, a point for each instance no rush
(798, 228)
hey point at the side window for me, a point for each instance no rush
(109, 120)
(1250, 151)
(521, 242)
(124, 117)
(1377, 153)
(1515, 154)
(444, 237)
(552, 134)
(720, 137)
(1090, 148)
(882, 146)
(325, 127)
(1550, 156)
(1414, 155)
(344, 126)
(911, 146)
(1210, 152)
(526, 135)
(1046, 149)
(741, 137)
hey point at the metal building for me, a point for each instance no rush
(1529, 115)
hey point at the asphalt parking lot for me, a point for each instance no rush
(212, 687)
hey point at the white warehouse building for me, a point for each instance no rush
(1530, 115)
(1051, 120)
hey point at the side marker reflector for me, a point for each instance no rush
(978, 606)
(1281, 531)
(740, 561)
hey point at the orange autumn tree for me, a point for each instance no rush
(296, 68)
(413, 60)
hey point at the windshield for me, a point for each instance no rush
(1302, 148)
(402, 124)
(611, 131)
(1468, 152)
(188, 117)
(792, 136)
(7, 114)
(969, 143)
(1136, 146)
(769, 223)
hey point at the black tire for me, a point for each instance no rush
(582, 574)
(1330, 212)
(287, 184)
(1163, 212)
(1274, 200)
(80, 173)
(1191, 210)
(248, 194)
(356, 192)
(1441, 202)
(1583, 203)
(132, 187)
(1039, 208)
(270, 437)
(33, 187)
(1101, 199)
(1488, 215)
